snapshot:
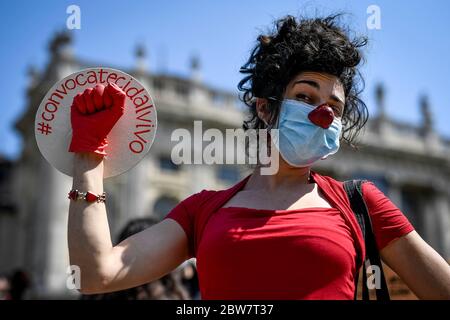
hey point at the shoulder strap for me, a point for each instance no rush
(354, 192)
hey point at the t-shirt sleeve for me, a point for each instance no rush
(186, 215)
(388, 221)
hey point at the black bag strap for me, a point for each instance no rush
(358, 205)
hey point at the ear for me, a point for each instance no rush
(262, 109)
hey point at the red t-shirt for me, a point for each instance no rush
(309, 253)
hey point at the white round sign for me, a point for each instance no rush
(129, 140)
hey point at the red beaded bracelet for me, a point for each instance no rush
(87, 196)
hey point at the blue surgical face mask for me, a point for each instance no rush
(301, 142)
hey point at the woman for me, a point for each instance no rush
(290, 235)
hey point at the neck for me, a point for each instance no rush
(286, 176)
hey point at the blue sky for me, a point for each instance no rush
(409, 55)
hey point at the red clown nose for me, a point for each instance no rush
(322, 116)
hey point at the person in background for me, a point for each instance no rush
(189, 278)
(20, 282)
(4, 287)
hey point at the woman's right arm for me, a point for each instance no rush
(139, 259)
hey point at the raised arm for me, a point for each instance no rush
(139, 259)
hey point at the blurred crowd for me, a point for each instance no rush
(180, 284)
(15, 285)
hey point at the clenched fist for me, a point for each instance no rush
(93, 114)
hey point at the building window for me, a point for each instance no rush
(158, 84)
(163, 206)
(228, 173)
(6, 178)
(217, 99)
(182, 90)
(412, 206)
(379, 180)
(166, 164)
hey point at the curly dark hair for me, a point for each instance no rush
(298, 45)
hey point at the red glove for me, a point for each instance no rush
(93, 114)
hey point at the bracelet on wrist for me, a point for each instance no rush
(88, 196)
